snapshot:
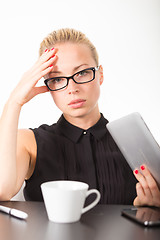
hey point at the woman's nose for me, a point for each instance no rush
(72, 87)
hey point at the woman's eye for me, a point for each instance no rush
(82, 73)
(58, 80)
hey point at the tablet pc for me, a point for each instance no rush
(136, 143)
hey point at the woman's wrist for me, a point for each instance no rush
(13, 102)
(11, 108)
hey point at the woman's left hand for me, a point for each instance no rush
(147, 189)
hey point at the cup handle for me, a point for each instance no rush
(94, 203)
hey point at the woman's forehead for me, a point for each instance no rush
(73, 50)
(73, 56)
(59, 71)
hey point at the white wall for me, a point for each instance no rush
(127, 36)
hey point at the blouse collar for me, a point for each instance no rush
(74, 133)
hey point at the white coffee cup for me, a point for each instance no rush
(64, 200)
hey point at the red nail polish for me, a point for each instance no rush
(53, 56)
(46, 50)
(142, 167)
(51, 66)
(136, 171)
(52, 49)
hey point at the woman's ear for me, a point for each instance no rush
(101, 74)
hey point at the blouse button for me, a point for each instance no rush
(84, 132)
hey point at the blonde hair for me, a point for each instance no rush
(67, 35)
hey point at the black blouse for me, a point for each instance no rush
(66, 152)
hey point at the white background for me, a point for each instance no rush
(126, 34)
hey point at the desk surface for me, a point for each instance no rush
(104, 222)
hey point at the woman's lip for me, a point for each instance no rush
(77, 103)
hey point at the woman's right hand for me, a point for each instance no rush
(26, 88)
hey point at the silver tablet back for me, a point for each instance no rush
(136, 143)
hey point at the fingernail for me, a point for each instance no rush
(136, 171)
(46, 50)
(142, 167)
(52, 49)
(53, 56)
(51, 66)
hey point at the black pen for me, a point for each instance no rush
(14, 212)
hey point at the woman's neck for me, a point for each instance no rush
(83, 121)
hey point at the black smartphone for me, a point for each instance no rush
(146, 216)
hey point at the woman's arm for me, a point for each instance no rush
(17, 147)
(147, 189)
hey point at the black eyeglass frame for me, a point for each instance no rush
(94, 69)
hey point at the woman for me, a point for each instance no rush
(78, 146)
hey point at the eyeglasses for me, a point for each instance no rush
(83, 76)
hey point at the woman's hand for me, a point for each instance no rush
(147, 189)
(26, 88)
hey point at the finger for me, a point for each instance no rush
(37, 73)
(48, 69)
(42, 65)
(41, 89)
(150, 181)
(47, 55)
(141, 198)
(49, 63)
(140, 195)
(141, 179)
(137, 202)
(140, 191)
(36, 91)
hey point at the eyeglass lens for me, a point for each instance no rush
(80, 77)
